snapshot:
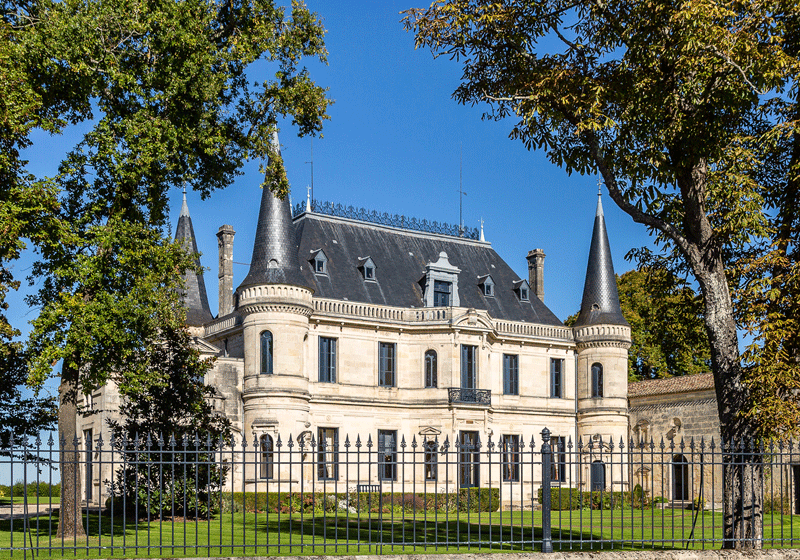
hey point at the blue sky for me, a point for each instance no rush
(392, 144)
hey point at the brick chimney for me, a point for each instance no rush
(225, 244)
(536, 272)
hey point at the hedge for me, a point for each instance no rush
(465, 500)
(572, 498)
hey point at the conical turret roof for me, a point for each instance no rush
(195, 297)
(600, 304)
(275, 259)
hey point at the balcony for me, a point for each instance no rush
(482, 397)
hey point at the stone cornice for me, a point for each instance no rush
(275, 308)
(603, 344)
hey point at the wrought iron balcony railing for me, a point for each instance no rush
(469, 396)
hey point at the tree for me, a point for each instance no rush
(164, 91)
(679, 106)
(169, 431)
(668, 337)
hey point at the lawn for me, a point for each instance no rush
(388, 533)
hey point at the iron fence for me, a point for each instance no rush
(319, 493)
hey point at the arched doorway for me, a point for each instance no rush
(680, 478)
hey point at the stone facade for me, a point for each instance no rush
(335, 328)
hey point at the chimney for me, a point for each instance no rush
(536, 272)
(225, 243)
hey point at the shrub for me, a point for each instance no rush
(563, 498)
(778, 505)
(465, 500)
(638, 498)
(699, 503)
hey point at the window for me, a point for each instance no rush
(486, 285)
(510, 374)
(386, 371)
(328, 454)
(319, 262)
(430, 369)
(469, 366)
(557, 378)
(387, 455)
(523, 294)
(431, 459)
(266, 352)
(558, 468)
(441, 293)
(327, 360)
(597, 380)
(509, 446)
(469, 459)
(367, 268)
(267, 457)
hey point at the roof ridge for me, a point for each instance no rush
(383, 218)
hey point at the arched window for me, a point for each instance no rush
(267, 457)
(266, 352)
(597, 380)
(430, 369)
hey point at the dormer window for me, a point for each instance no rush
(367, 268)
(319, 262)
(486, 285)
(440, 288)
(522, 290)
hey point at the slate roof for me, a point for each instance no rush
(197, 310)
(600, 303)
(680, 384)
(400, 257)
(274, 258)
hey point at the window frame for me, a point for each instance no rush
(557, 388)
(431, 360)
(327, 368)
(596, 378)
(430, 448)
(439, 294)
(266, 466)
(387, 364)
(269, 370)
(558, 464)
(469, 358)
(511, 374)
(327, 458)
(387, 456)
(510, 457)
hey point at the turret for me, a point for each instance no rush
(195, 297)
(603, 337)
(275, 302)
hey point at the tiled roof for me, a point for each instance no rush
(681, 384)
(400, 257)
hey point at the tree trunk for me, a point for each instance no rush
(70, 523)
(742, 460)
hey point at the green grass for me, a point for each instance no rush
(331, 534)
(43, 501)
